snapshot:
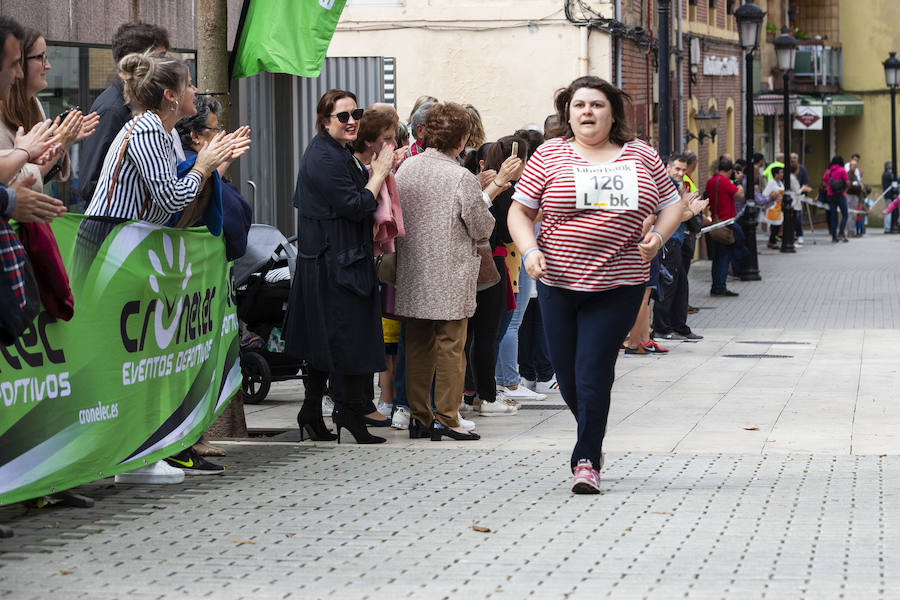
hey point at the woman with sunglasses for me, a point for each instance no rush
(23, 110)
(333, 319)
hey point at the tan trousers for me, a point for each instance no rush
(435, 349)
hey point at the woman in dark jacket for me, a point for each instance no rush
(333, 318)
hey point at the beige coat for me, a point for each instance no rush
(445, 214)
(8, 141)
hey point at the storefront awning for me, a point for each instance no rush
(772, 105)
(835, 105)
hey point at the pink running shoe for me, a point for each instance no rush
(587, 479)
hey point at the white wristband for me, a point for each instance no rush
(659, 235)
(529, 251)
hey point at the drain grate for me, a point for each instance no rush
(757, 356)
(543, 407)
(773, 342)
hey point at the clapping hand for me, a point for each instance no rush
(32, 206)
(485, 178)
(383, 161)
(37, 142)
(88, 126)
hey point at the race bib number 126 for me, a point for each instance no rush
(606, 187)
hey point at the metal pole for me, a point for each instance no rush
(894, 130)
(787, 224)
(750, 216)
(895, 212)
(679, 78)
(665, 106)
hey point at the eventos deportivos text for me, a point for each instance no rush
(163, 365)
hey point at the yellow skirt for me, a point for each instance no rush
(391, 330)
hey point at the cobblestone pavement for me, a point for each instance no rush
(823, 286)
(761, 462)
(353, 522)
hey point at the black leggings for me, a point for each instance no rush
(481, 337)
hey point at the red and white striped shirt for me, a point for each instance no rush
(591, 250)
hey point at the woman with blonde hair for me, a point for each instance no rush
(139, 179)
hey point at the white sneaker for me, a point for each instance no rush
(327, 405)
(500, 408)
(385, 409)
(158, 472)
(547, 387)
(465, 423)
(401, 418)
(526, 383)
(520, 393)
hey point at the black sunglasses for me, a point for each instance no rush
(344, 116)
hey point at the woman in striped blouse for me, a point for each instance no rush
(139, 179)
(595, 186)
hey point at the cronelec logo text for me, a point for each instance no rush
(101, 412)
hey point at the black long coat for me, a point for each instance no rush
(333, 318)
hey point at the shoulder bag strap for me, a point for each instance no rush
(115, 177)
(716, 203)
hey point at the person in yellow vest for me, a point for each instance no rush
(691, 158)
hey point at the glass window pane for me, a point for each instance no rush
(62, 80)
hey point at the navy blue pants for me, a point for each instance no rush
(584, 333)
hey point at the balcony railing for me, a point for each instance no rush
(818, 65)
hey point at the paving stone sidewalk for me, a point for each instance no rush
(761, 462)
(823, 286)
(304, 522)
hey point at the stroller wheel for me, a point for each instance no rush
(257, 377)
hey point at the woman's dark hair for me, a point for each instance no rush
(502, 149)
(534, 138)
(206, 106)
(474, 157)
(18, 109)
(619, 133)
(148, 75)
(776, 171)
(374, 121)
(758, 157)
(446, 125)
(740, 164)
(326, 105)
(837, 159)
(138, 37)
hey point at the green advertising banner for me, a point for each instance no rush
(147, 363)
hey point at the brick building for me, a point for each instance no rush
(707, 103)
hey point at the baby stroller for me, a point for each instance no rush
(262, 280)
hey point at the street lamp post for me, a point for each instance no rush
(785, 53)
(665, 108)
(749, 19)
(892, 77)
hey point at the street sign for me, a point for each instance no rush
(808, 117)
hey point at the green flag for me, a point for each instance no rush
(284, 36)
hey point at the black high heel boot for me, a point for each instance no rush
(355, 425)
(315, 428)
